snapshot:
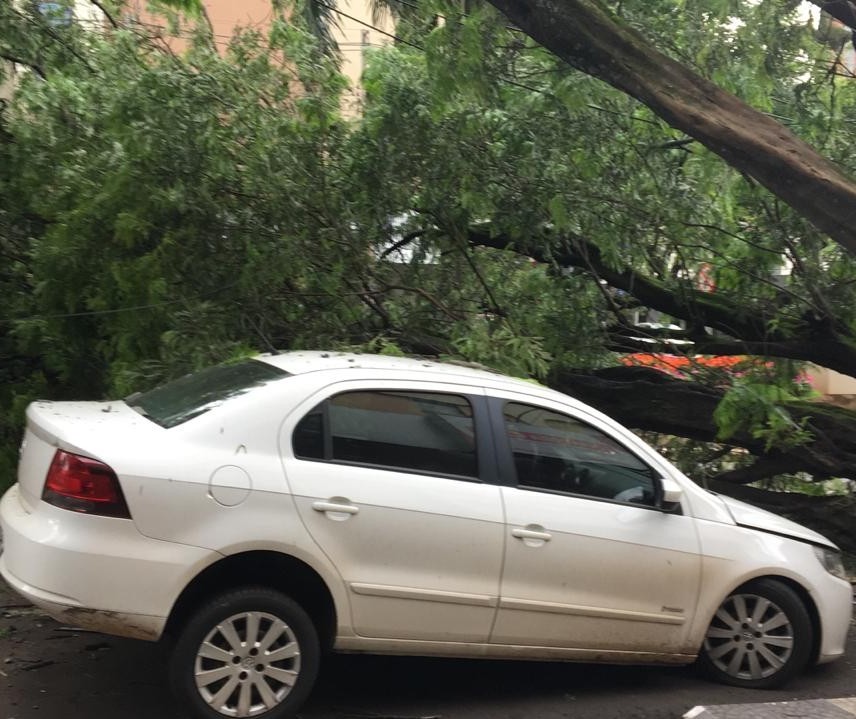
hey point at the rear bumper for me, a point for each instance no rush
(94, 572)
(135, 626)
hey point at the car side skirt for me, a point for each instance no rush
(361, 645)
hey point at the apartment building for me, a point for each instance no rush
(354, 32)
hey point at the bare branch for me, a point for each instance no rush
(20, 61)
(403, 242)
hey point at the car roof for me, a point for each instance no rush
(301, 362)
(414, 368)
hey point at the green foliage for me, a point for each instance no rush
(760, 410)
(503, 349)
(160, 211)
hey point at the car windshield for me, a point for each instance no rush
(194, 394)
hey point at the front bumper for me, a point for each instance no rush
(835, 606)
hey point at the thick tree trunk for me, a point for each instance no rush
(647, 399)
(585, 35)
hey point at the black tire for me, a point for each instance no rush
(760, 638)
(256, 640)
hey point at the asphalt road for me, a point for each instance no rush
(51, 672)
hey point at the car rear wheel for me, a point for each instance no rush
(760, 637)
(251, 652)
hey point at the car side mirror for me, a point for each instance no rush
(670, 499)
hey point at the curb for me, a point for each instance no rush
(844, 708)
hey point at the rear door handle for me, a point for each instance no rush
(335, 509)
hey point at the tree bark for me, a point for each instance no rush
(586, 36)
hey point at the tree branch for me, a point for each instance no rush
(588, 37)
(631, 339)
(106, 13)
(647, 399)
(19, 61)
(44, 27)
(403, 242)
(817, 339)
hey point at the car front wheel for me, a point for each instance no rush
(251, 652)
(760, 637)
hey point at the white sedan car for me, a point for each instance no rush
(262, 512)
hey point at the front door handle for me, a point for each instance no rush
(526, 533)
(337, 508)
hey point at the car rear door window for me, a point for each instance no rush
(556, 452)
(429, 432)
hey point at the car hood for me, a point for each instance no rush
(746, 515)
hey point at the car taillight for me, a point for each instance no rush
(84, 485)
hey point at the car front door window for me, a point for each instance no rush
(556, 452)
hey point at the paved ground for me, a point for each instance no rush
(844, 708)
(51, 672)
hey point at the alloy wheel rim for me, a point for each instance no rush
(247, 665)
(750, 637)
